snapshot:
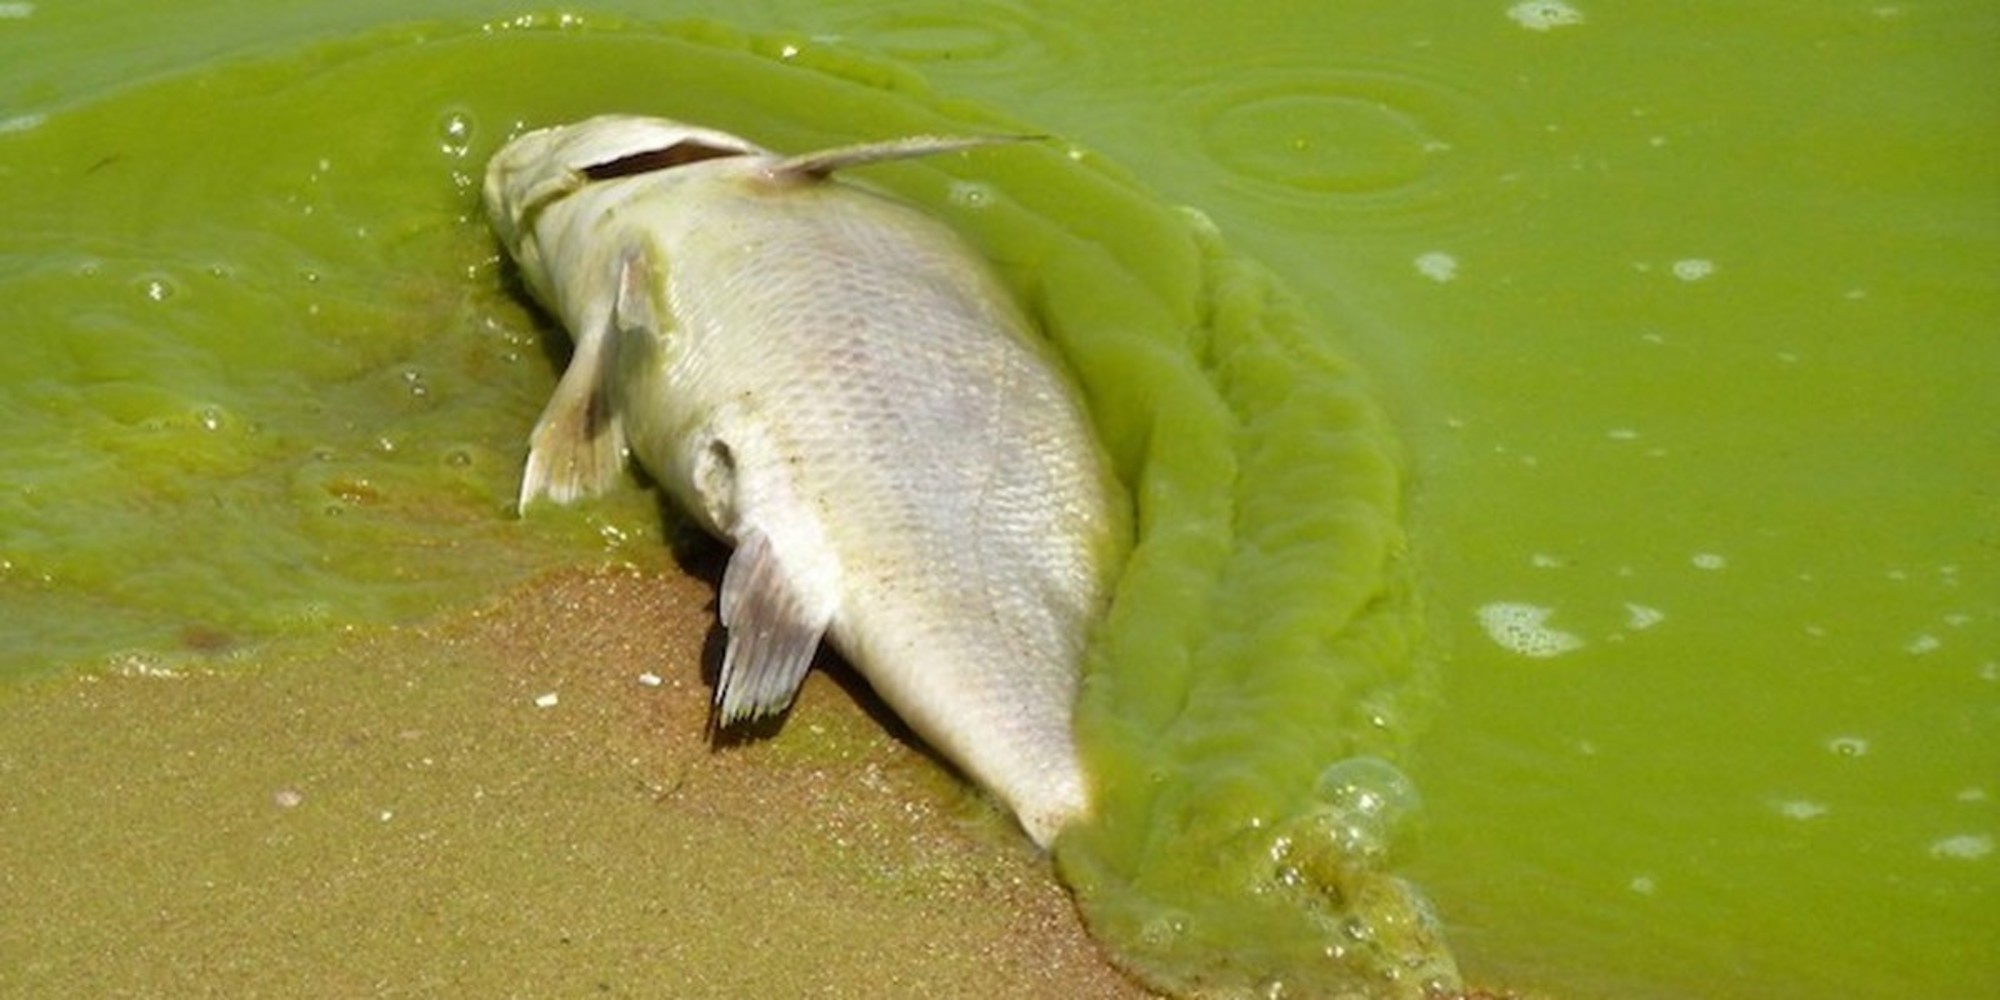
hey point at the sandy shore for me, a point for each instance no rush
(519, 800)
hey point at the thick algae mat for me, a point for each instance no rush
(328, 413)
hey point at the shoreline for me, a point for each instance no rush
(407, 809)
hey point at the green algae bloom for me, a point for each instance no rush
(304, 353)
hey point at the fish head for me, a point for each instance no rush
(539, 168)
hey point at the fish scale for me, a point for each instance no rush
(838, 385)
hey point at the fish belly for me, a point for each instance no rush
(843, 378)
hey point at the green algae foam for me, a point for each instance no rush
(273, 378)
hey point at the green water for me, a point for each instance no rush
(1686, 326)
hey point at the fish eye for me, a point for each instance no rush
(646, 161)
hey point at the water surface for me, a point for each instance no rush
(1686, 326)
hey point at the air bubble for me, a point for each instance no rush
(455, 130)
(1848, 746)
(1368, 808)
(158, 288)
(971, 194)
(1164, 929)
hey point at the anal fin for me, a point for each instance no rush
(773, 632)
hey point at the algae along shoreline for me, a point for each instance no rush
(1245, 700)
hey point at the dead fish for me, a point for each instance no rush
(839, 386)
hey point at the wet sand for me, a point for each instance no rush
(497, 804)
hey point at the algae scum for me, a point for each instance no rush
(269, 378)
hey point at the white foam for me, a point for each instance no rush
(1800, 809)
(16, 11)
(1964, 847)
(143, 665)
(1639, 617)
(1693, 268)
(1544, 15)
(1437, 266)
(547, 701)
(1524, 629)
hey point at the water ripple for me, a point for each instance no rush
(976, 37)
(1386, 145)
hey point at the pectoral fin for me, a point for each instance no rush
(578, 446)
(773, 631)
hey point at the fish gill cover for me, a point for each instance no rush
(1244, 699)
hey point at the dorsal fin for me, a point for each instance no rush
(819, 164)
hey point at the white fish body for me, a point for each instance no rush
(836, 384)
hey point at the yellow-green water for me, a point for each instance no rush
(1686, 327)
